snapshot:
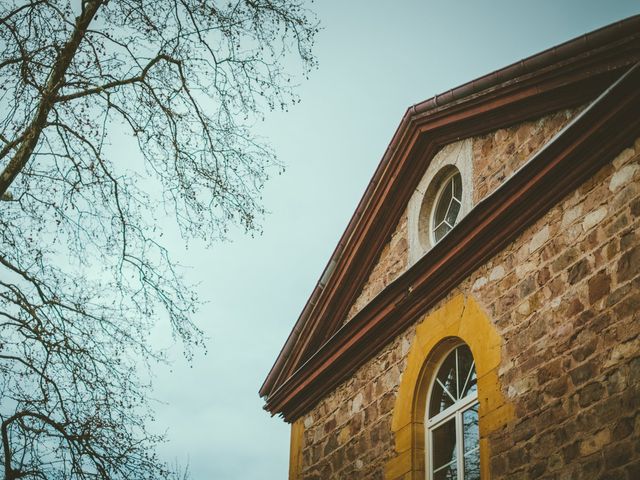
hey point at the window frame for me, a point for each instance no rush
(436, 199)
(454, 411)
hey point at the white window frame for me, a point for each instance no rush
(438, 195)
(453, 411)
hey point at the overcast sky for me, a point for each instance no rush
(376, 59)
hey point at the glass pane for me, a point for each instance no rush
(472, 384)
(472, 466)
(442, 398)
(441, 231)
(443, 440)
(439, 400)
(467, 371)
(471, 443)
(470, 432)
(443, 204)
(453, 211)
(447, 473)
(457, 186)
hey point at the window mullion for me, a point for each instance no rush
(460, 445)
(473, 366)
(429, 454)
(457, 377)
(446, 390)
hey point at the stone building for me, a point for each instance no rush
(479, 317)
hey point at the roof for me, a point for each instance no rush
(321, 351)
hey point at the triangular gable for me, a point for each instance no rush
(571, 74)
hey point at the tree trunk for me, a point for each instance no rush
(56, 80)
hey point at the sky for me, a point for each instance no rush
(376, 58)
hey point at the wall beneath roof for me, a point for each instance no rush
(563, 298)
(497, 155)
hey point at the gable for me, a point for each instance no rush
(494, 157)
(321, 350)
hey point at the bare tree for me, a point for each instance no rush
(83, 275)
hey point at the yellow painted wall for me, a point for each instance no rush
(295, 452)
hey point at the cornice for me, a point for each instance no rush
(572, 76)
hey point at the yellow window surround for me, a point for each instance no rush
(459, 319)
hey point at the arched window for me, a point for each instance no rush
(452, 435)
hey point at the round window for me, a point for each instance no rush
(446, 206)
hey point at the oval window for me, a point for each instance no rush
(446, 207)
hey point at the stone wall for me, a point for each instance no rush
(497, 155)
(392, 262)
(565, 298)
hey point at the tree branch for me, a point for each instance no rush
(118, 83)
(55, 82)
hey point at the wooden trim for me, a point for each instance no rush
(588, 143)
